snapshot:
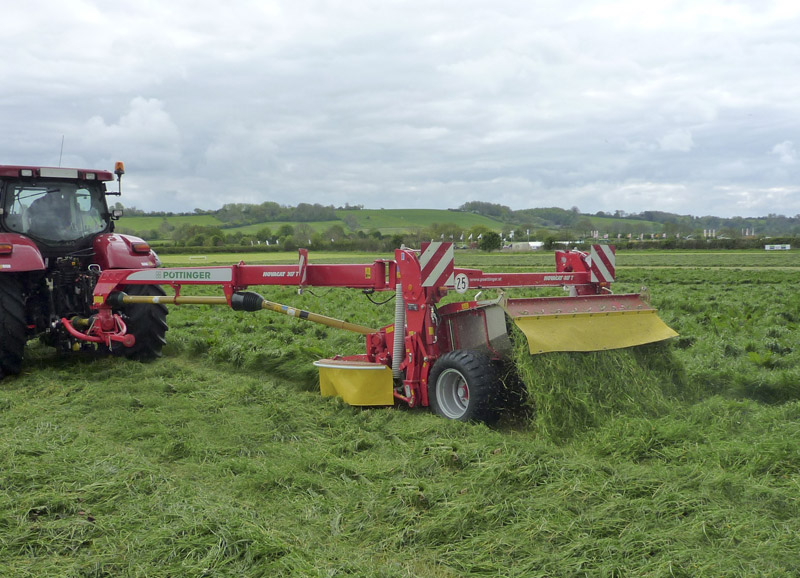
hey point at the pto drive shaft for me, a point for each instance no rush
(240, 301)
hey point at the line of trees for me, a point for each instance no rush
(637, 223)
(290, 237)
(241, 214)
(547, 225)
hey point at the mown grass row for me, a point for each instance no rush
(572, 392)
(737, 338)
(676, 459)
(183, 469)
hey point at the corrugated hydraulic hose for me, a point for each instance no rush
(398, 350)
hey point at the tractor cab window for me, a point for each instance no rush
(55, 212)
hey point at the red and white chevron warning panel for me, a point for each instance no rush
(436, 263)
(602, 263)
(302, 270)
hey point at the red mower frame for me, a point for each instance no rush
(419, 278)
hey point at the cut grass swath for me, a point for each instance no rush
(571, 392)
(212, 461)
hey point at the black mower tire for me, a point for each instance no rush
(463, 386)
(147, 323)
(13, 329)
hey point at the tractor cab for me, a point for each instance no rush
(59, 209)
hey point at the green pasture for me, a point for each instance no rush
(141, 224)
(387, 221)
(270, 258)
(617, 224)
(390, 221)
(316, 226)
(674, 459)
(533, 260)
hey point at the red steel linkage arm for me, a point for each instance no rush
(380, 275)
(376, 276)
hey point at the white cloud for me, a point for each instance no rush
(145, 136)
(409, 103)
(785, 152)
(677, 140)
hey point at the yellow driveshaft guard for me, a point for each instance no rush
(356, 382)
(592, 331)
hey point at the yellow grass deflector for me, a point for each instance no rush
(586, 323)
(356, 382)
(593, 331)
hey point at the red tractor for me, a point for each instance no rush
(56, 238)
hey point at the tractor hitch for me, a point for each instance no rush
(116, 331)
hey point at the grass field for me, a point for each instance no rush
(387, 221)
(534, 260)
(141, 224)
(317, 226)
(267, 258)
(220, 459)
(391, 221)
(615, 224)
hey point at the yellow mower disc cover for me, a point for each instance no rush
(356, 382)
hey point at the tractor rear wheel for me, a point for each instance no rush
(463, 386)
(147, 323)
(13, 333)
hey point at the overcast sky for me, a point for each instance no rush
(688, 107)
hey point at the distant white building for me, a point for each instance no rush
(524, 246)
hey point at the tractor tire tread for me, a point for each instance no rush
(13, 333)
(147, 323)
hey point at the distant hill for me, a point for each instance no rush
(255, 220)
(394, 221)
(148, 223)
(386, 221)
